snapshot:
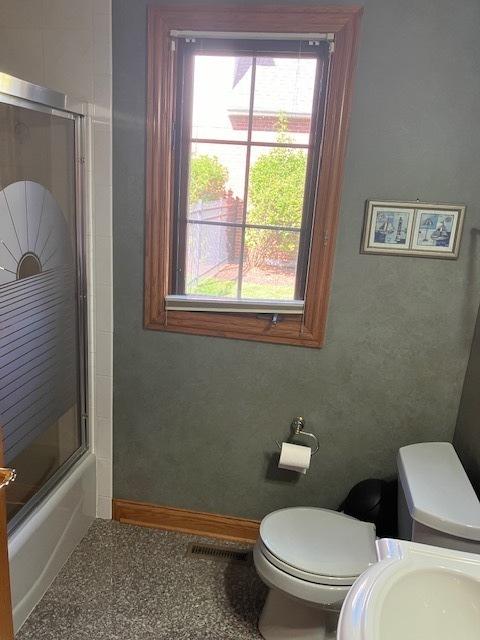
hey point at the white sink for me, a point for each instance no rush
(414, 592)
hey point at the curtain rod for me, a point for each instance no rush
(246, 35)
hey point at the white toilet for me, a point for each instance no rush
(310, 557)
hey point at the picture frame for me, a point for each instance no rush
(417, 229)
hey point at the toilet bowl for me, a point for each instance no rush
(309, 558)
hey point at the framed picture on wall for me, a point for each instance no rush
(437, 231)
(388, 227)
(413, 228)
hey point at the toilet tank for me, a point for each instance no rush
(436, 503)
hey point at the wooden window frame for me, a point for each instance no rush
(344, 22)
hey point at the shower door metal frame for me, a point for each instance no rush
(19, 93)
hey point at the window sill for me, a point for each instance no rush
(289, 328)
(232, 305)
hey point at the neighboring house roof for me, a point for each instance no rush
(243, 66)
(282, 85)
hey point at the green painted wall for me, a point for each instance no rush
(194, 417)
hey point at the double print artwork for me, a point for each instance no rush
(413, 228)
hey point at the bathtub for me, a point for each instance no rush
(40, 545)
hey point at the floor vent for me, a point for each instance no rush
(216, 552)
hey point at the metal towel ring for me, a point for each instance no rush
(297, 428)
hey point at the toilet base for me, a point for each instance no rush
(286, 618)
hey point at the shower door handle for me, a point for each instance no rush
(7, 476)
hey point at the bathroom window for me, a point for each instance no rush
(248, 128)
(246, 136)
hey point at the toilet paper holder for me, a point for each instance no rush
(297, 427)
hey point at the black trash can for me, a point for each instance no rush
(374, 500)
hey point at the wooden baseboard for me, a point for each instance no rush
(186, 521)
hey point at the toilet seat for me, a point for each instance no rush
(317, 545)
(305, 575)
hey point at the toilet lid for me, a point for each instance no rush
(319, 541)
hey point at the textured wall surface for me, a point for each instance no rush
(467, 433)
(195, 417)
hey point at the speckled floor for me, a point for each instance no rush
(132, 583)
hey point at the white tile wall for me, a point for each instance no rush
(104, 302)
(102, 44)
(20, 14)
(103, 256)
(68, 14)
(26, 62)
(102, 153)
(68, 59)
(102, 206)
(66, 45)
(103, 353)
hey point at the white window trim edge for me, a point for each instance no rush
(233, 305)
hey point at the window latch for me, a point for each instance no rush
(275, 318)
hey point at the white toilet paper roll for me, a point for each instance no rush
(294, 457)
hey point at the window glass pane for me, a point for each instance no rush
(221, 97)
(216, 181)
(212, 260)
(216, 254)
(276, 186)
(283, 100)
(269, 264)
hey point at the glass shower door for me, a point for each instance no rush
(42, 399)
